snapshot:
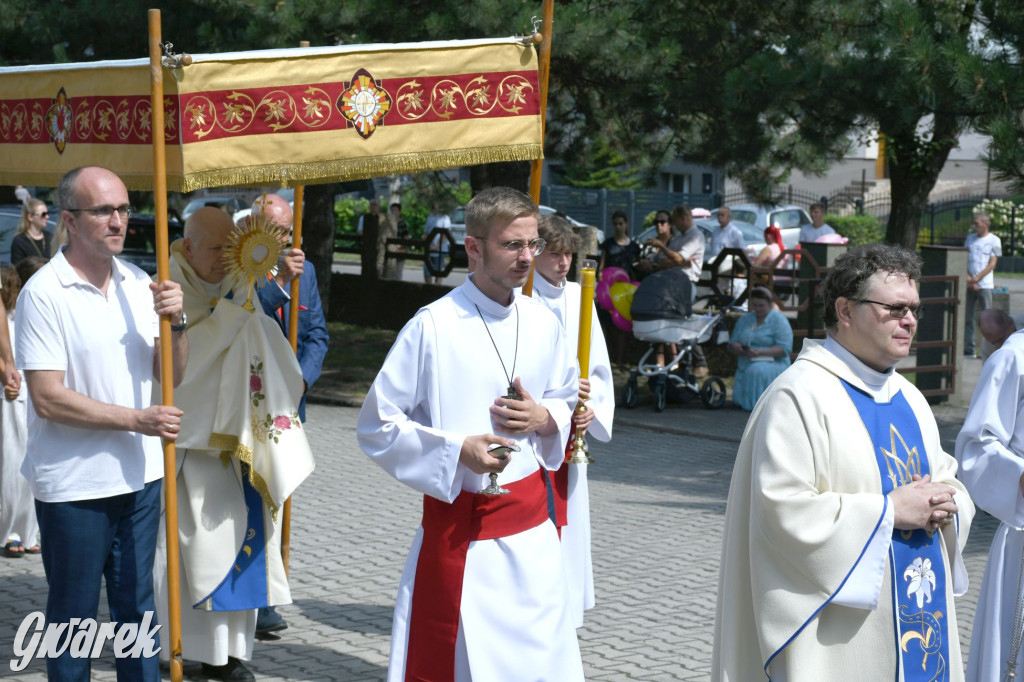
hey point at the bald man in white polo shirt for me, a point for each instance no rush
(86, 326)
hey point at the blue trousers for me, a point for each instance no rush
(977, 301)
(112, 538)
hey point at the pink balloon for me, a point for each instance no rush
(602, 292)
(621, 322)
(613, 274)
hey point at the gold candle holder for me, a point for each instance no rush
(588, 270)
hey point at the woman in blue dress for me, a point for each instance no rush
(762, 340)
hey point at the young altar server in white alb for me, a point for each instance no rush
(845, 522)
(484, 594)
(990, 449)
(572, 498)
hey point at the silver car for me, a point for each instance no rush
(753, 219)
(10, 215)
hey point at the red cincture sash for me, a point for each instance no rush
(560, 485)
(437, 593)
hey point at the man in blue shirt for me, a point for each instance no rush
(312, 330)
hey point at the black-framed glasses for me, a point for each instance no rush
(44, 214)
(536, 246)
(897, 310)
(105, 213)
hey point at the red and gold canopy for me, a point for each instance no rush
(286, 117)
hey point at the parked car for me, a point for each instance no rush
(10, 215)
(458, 230)
(140, 239)
(229, 204)
(239, 216)
(788, 218)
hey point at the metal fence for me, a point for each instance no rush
(595, 206)
(943, 223)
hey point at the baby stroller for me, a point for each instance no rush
(662, 313)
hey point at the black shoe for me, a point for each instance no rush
(269, 620)
(234, 671)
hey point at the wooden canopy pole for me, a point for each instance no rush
(293, 339)
(156, 76)
(543, 72)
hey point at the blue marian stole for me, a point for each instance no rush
(918, 573)
(245, 587)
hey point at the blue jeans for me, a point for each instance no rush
(84, 541)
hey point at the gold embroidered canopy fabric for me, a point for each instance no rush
(283, 117)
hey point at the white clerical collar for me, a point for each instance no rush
(484, 302)
(546, 289)
(873, 379)
(210, 289)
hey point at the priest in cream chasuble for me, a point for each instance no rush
(845, 521)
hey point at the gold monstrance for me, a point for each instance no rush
(253, 250)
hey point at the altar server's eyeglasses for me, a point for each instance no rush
(105, 213)
(516, 246)
(898, 311)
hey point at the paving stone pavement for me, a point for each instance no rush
(658, 502)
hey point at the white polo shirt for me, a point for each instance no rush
(104, 345)
(980, 251)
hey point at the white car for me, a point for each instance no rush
(228, 204)
(239, 216)
(753, 219)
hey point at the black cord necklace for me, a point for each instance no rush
(512, 393)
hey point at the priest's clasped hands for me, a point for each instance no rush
(923, 504)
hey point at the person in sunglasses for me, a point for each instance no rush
(679, 244)
(480, 382)
(32, 239)
(845, 521)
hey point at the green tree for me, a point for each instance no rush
(754, 87)
(601, 167)
(1006, 124)
(761, 88)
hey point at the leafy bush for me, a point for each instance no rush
(419, 194)
(859, 229)
(426, 190)
(346, 213)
